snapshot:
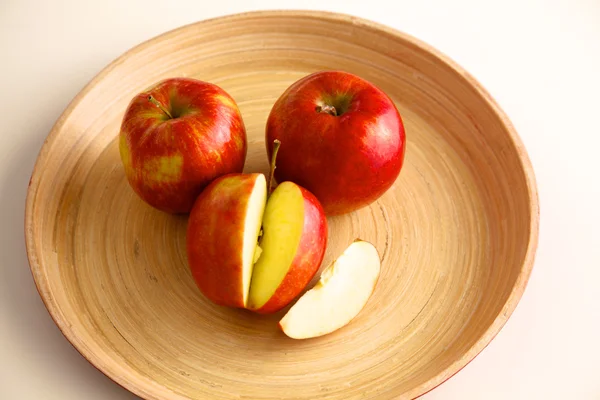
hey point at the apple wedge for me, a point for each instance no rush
(221, 237)
(344, 288)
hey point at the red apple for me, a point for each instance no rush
(342, 138)
(236, 265)
(177, 137)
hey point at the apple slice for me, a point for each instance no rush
(221, 237)
(343, 290)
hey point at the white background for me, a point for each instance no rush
(539, 58)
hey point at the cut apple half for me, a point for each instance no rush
(221, 237)
(290, 249)
(343, 289)
(282, 225)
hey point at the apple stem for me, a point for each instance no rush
(157, 104)
(276, 144)
(326, 108)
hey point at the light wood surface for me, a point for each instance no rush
(457, 232)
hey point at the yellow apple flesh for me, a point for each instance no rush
(282, 226)
(293, 245)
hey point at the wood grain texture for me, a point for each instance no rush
(457, 232)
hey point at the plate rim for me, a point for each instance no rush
(142, 390)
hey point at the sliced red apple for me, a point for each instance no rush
(228, 264)
(343, 289)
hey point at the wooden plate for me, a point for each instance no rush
(457, 231)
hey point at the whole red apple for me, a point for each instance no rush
(342, 138)
(176, 138)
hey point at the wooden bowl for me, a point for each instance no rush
(457, 232)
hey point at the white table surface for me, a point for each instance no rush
(539, 58)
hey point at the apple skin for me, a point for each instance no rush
(215, 238)
(308, 258)
(169, 161)
(347, 161)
